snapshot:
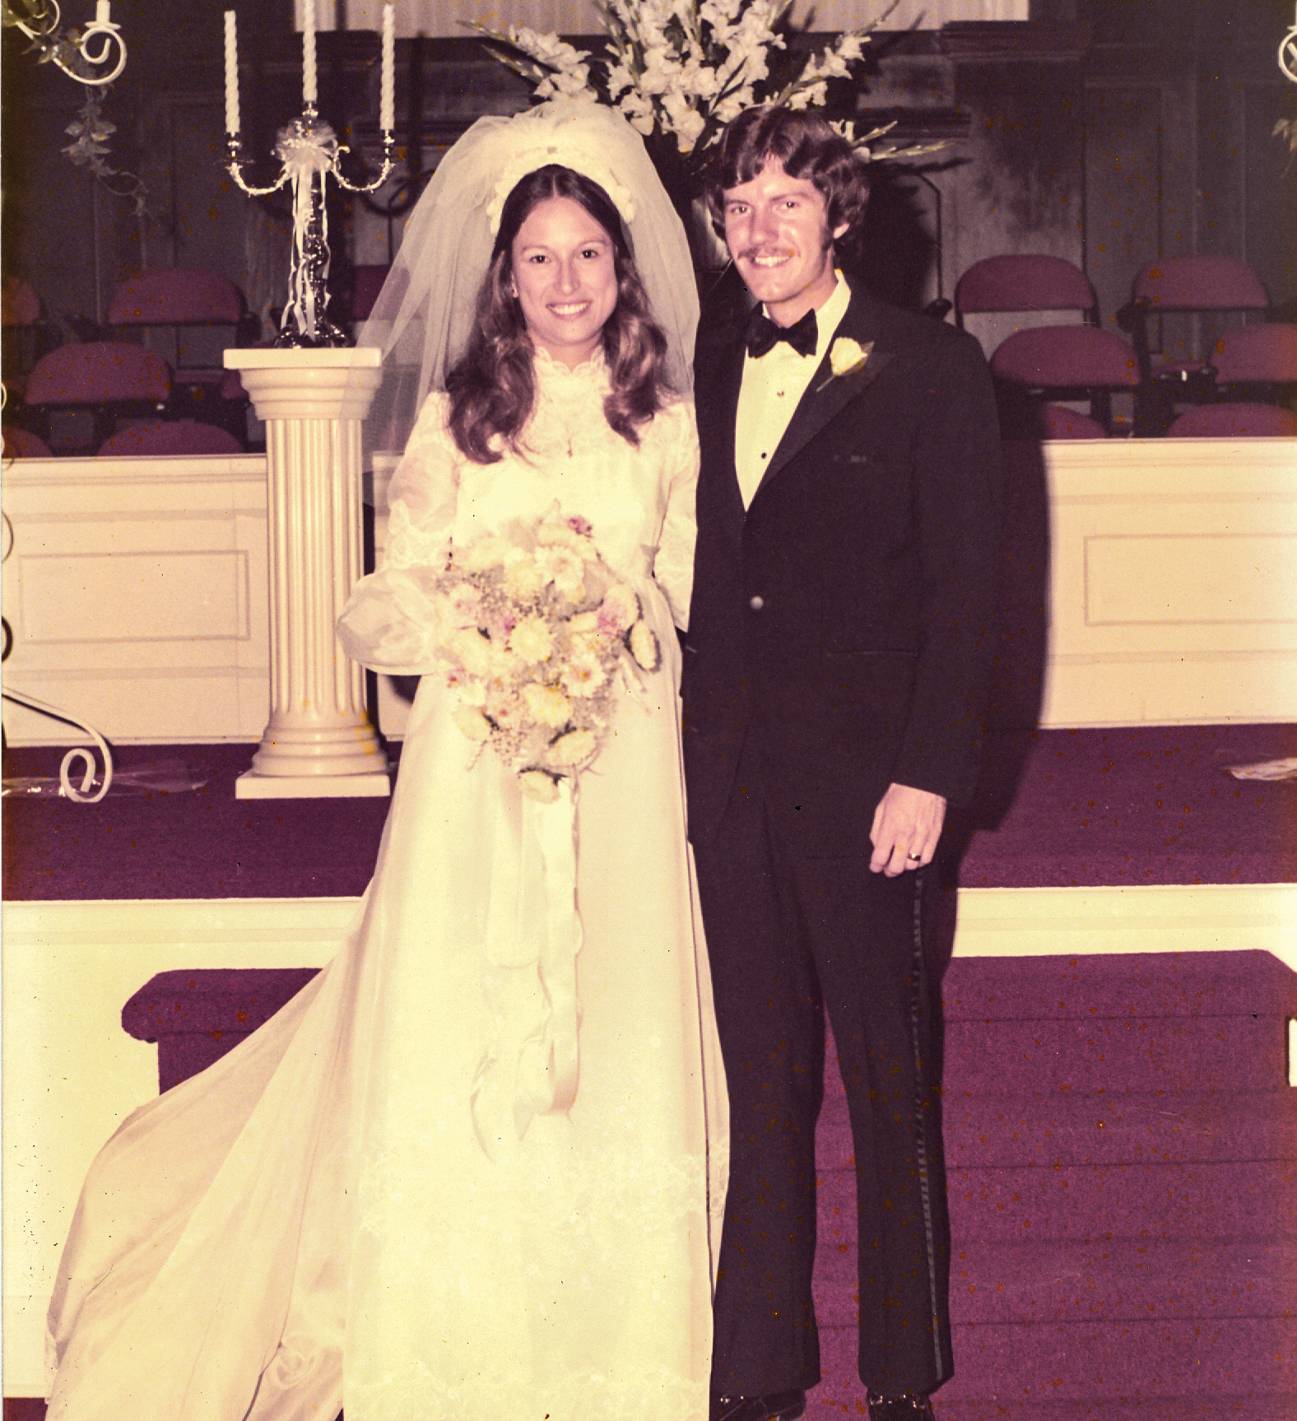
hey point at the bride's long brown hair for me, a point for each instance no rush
(492, 388)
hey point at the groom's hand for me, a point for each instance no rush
(906, 827)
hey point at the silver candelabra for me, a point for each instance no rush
(309, 154)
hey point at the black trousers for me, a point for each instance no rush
(790, 937)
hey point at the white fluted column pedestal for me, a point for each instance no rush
(319, 742)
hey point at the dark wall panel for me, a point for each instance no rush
(1124, 162)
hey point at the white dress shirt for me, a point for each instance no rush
(772, 388)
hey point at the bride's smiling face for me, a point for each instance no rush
(565, 278)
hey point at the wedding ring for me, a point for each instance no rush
(914, 858)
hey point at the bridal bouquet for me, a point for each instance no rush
(536, 631)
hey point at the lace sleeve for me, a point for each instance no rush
(673, 567)
(387, 623)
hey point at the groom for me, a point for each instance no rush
(834, 685)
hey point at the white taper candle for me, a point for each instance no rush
(386, 93)
(102, 13)
(231, 75)
(310, 88)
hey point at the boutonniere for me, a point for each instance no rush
(846, 356)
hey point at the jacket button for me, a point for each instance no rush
(756, 603)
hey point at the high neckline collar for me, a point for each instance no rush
(550, 371)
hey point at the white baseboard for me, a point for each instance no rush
(1062, 922)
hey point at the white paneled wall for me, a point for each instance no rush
(135, 593)
(1172, 582)
(136, 589)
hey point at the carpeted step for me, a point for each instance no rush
(196, 1016)
(825, 1404)
(1252, 1199)
(1122, 985)
(1096, 1127)
(1161, 1053)
(1023, 1364)
(1086, 1280)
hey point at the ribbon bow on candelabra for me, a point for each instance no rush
(309, 153)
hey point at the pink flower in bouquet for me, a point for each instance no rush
(465, 601)
(619, 610)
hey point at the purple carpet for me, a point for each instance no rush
(1056, 808)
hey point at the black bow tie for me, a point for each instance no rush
(763, 334)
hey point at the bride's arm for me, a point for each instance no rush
(673, 567)
(387, 623)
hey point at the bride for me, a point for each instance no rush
(473, 1170)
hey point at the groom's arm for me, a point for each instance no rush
(957, 498)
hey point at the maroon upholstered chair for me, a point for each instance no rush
(1062, 422)
(25, 334)
(201, 313)
(99, 372)
(1234, 419)
(174, 436)
(1076, 360)
(1256, 355)
(1060, 363)
(1220, 288)
(110, 378)
(20, 443)
(1029, 282)
(176, 296)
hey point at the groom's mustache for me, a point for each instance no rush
(752, 253)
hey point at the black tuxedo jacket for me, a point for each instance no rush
(845, 619)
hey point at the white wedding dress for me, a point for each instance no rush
(317, 1218)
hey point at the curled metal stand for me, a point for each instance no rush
(39, 20)
(1287, 56)
(78, 760)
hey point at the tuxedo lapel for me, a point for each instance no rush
(828, 394)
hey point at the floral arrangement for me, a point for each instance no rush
(535, 631)
(90, 131)
(680, 70)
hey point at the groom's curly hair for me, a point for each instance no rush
(806, 145)
(493, 388)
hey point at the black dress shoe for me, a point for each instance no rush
(903, 1406)
(775, 1406)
